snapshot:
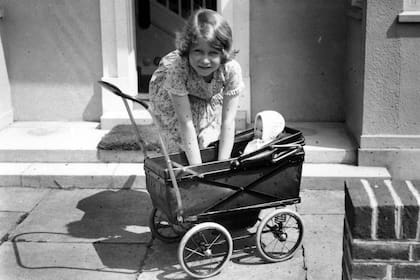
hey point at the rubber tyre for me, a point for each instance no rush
(161, 228)
(281, 227)
(205, 245)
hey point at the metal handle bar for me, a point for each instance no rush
(268, 153)
(169, 162)
(292, 145)
(118, 92)
(281, 156)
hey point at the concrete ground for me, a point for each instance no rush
(103, 234)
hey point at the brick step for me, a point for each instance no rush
(382, 229)
(131, 175)
(383, 209)
(379, 259)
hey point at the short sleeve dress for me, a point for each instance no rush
(174, 76)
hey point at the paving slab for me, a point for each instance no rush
(162, 263)
(316, 202)
(115, 216)
(72, 261)
(8, 221)
(323, 246)
(326, 176)
(20, 199)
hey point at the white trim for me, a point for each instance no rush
(374, 205)
(416, 194)
(118, 52)
(237, 14)
(398, 208)
(409, 16)
(389, 141)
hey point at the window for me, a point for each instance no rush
(411, 11)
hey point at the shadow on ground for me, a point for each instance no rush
(119, 220)
(162, 262)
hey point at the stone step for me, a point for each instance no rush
(76, 142)
(131, 175)
(50, 142)
(324, 143)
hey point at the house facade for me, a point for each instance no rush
(348, 61)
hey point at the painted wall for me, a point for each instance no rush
(53, 55)
(392, 71)
(297, 56)
(391, 115)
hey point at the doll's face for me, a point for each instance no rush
(204, 59)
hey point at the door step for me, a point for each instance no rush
(77, 142)
(132, 176)
(50, 142)
(65, 155)
(325, 143)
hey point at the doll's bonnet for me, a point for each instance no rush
(272, 124)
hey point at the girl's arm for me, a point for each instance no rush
(227, 134)
(188, 133)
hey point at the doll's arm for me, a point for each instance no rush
(188, 133)
(227, 134)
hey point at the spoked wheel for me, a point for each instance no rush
(279, 234)
(205, 249)
(162, 229)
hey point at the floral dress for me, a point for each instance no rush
(175, 76)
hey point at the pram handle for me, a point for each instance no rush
(269, 154)
(169, 162)
(118, 92)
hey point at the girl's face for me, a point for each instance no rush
(204, 59)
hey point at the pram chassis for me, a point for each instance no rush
(191, 203)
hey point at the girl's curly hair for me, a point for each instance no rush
(210, 26)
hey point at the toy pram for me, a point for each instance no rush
(197, 204)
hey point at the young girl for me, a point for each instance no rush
(194, 92)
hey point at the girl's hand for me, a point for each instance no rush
(227, 133)
(187, 131)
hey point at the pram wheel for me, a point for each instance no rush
(279, 234)
(162, 229)
(205, 249)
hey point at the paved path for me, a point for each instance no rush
(103, 234)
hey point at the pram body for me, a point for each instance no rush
(266, 178)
